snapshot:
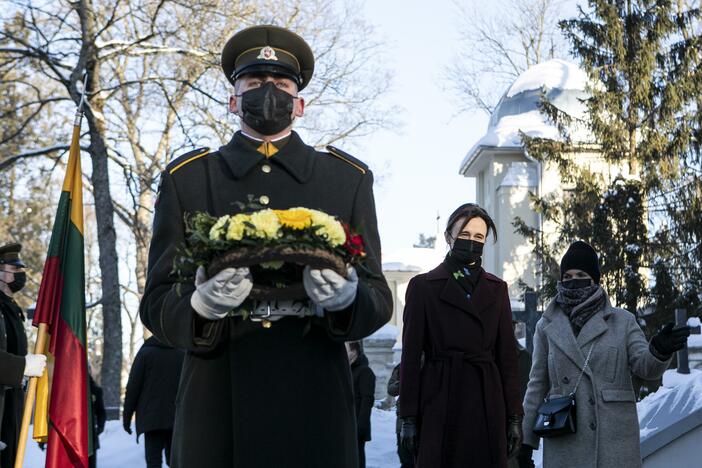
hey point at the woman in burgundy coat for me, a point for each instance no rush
(462, 406)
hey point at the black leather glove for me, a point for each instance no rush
(669, 340)
(409, 436)
(127, 425)
(524, 457)
(514, 434)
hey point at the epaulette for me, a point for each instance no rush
(188, 157)
(346, 157)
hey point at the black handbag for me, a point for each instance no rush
(557, 416)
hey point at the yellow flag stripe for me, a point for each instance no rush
(73, 182)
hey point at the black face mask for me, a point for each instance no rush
(267, 109)
(18, 283)
(467, 251)
(579, 283)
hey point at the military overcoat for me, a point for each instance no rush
(249, 396)
(13, 348)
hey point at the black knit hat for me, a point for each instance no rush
(581, 256)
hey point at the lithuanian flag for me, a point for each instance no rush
(63, 414)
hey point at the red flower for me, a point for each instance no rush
(354, 243)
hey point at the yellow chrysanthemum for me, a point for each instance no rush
(237, 227)
(217, 230)
(294, 218)
(266, 224)
(329, 227)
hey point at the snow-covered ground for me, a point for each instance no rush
(120, 450)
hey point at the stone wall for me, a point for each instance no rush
(379, 349)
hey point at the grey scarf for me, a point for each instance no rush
(580, 304)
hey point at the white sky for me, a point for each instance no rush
(418, 164)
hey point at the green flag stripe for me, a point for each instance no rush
(59, 229)
(73, 271)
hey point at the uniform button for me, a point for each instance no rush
(593, 426)
(264, 200)
(566, 380)
(592, 401)
(266, 168)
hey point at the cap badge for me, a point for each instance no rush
(267, 53)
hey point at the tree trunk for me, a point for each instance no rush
(111, 369)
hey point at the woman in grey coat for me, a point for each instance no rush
(581, 317)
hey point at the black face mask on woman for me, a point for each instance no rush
(467, 251)
(267, 109)
(18, 283)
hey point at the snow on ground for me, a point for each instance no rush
(117, 450)
(120, 450)
(381, 452)
(680, 400)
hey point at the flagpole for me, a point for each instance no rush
(39, 348)
(42, 335)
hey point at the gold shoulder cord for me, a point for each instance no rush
(197, 156)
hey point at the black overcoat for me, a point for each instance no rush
(364, 395)
(250, 396)
(469, 381)
(152, 386)
(13, 348)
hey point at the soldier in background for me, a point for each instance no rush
(151, 393)
(364, 395)
(15, 363)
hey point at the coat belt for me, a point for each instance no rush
(275, 310)
(482, 362)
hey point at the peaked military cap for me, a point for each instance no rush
(9, 255)
(268, 49)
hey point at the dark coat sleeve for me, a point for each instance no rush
(394, 382)
(413, 330)
(366, 390)
(373, 305)
(11, 368)
(506, 358)
(165, 308)
(134, 386)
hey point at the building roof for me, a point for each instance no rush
(565, 86)
(414, 259)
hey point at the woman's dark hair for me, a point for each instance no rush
(466, 212)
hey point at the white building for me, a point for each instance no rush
(506, 174)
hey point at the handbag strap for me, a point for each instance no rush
(587, 360)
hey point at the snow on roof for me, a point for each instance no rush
(669, 413)
(555, 73)
(413, 259)
(386, 332)
(564, 84)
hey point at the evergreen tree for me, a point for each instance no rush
(641, 117)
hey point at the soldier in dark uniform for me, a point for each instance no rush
(14, 360)
(280, 395)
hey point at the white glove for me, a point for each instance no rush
(34, 365)
(329, 289)
(215, 297)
